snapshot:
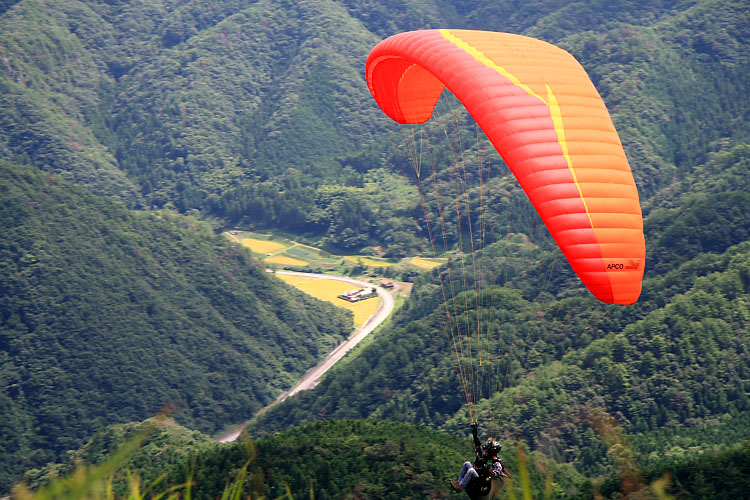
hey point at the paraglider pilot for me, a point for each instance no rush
(486, 467)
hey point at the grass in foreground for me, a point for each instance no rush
(96, 482)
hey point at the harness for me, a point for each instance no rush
(480, 486)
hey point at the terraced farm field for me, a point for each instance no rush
(369, 262)
(285, 261)
(424, 263)
(262, 246)
(329, 290)
(282, 251)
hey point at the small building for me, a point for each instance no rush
(358, 294)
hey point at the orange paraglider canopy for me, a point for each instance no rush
(540, 110)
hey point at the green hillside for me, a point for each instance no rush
(364, 459)
(714, 476)
(131, 130)
(678, 358)
(254, 112)
(110, 315)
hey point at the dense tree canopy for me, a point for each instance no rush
(250, 112)
(109, 315)
(677, 358)
(257, 114)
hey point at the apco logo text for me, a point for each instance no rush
(631, 264)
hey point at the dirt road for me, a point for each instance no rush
(312, 377)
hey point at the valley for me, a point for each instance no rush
(284, 252)
(385, 307)
(159, 157)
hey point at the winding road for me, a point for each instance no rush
(312, 377)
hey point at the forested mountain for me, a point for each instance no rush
(371, 459)
(111, 315)
(336, 459)
(257, 113)
(678, 358)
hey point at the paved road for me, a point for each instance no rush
(312, 377)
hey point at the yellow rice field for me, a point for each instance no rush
(369, 262)
(262, 246)
(329, 290)
(285, 261)
(423, 263)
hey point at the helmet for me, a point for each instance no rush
(493, 447)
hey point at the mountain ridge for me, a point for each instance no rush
(110, 314)
(257, 114)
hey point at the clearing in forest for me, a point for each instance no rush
(424, 263)
(285, 261)
(282, 251)
(262, 246)
(329, 290)
(369, 262)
